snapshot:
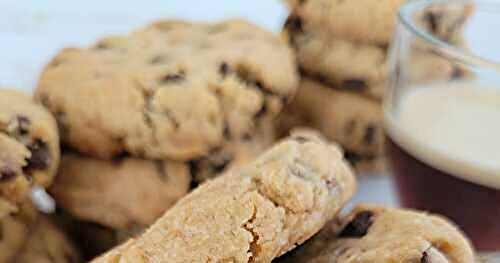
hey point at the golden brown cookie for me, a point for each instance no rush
(170, 90)
(122, 194)
(251, 215)
(29, 148)
(382, 235)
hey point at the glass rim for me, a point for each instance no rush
(405, 18)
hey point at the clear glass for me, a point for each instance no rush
(442, 113)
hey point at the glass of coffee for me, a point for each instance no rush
(442, 113)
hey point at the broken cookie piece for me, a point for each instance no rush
(29, 148)
(383, 235)
(254, 214)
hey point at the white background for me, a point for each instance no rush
(31, 31)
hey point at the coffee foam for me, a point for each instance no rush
(454, 127)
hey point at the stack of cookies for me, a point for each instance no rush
(145, 117)
(29, 157)
(342, 49)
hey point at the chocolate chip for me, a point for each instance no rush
(353, 157)
(294, 24)
(425, 258)
(262, 111)
(224, 69)
(220, 165)
(193, 167)
(369, 136)
(102, 46)
(23, 124)
(297, 171)
(159, 59)
(300, 139)
(226, 132)
(6, 174)
(247, 137)
(359, 226)
(322, 78)
(331, 183)
(118, 158)
(354, 84)
(433, 19)
(172, 78)
(40, 156)
(193, 170)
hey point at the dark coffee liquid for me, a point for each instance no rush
(474, 208)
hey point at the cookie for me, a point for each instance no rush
(353, 121)
(29, 148)
(123, 194)
(251, 215)
(367, 21)
(348, 65)
(377, 234)
(374, 21)
(30, 237)
(173, 89)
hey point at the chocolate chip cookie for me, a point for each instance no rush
(29, 148)
(170, 90)
(251, 215)
(348, 65)
(382, 235)
(122, 194)
(367, 21)
(354, 121)
(30, 237)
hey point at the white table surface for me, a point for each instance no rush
(31, 32)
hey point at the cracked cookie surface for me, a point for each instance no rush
(170, 90)
(122, 194)
(30, 237)
(251, 215)
(382, 235)
(29, 148)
